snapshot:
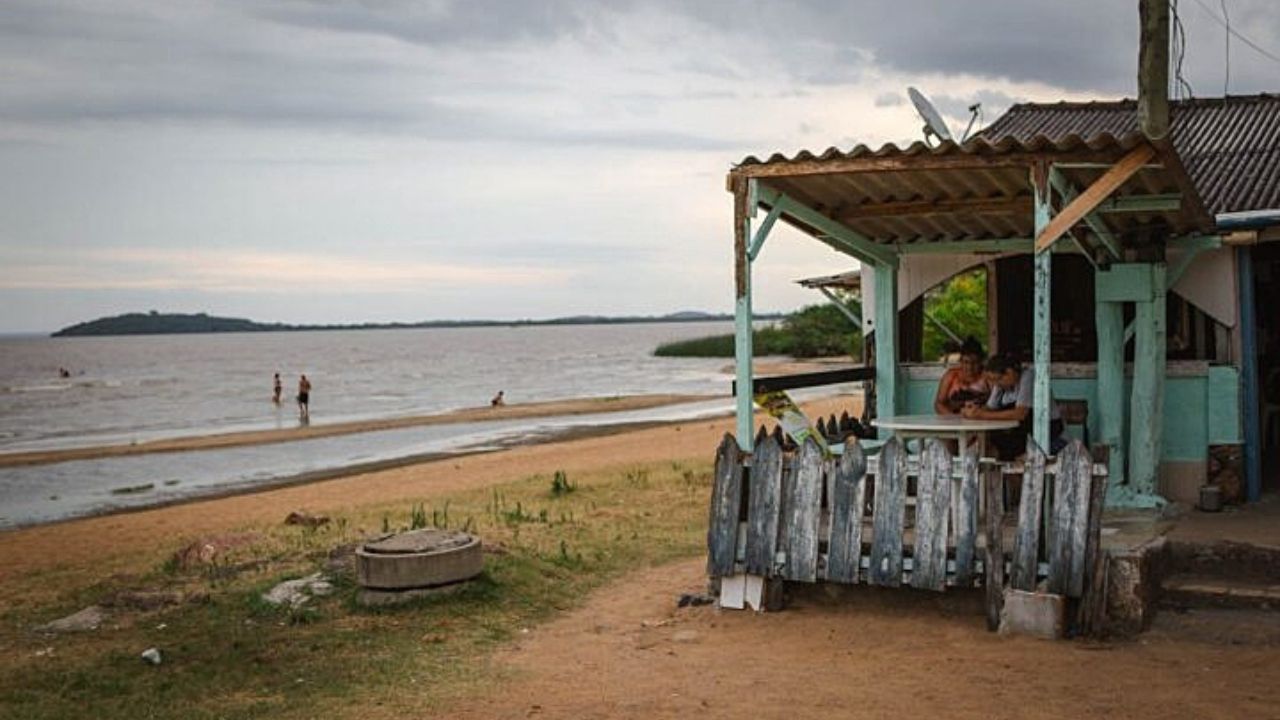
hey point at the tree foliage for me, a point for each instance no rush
(959, 303)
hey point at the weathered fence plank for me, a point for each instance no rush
(1026, 543)
(801, 541)
(966, 518)
(1093, 606)
(726, 495)
(1070, 520)
(844, 551)
(933, 513)
(890, 494)
(993, 567)
(763, 507)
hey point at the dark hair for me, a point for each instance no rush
(971, 346)
(999, 364)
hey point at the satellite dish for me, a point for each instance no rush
(933, 123)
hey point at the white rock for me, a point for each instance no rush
(151, 655)
(87, 619)
(295, 593)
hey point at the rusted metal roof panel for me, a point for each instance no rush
(1229, 146)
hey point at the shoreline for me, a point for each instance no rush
(130, 540)
(358, 469)
(549, 408)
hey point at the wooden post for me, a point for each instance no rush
(1147, 403)
(1041, 309)
(726, 498)
(1153, 68)
(886, 329)
(994, 563)
(890, 510)
(1093, 606)
(1249, 374)
(1109, 401)
(1026, 543)
(743, 209)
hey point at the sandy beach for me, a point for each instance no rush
(139, 537)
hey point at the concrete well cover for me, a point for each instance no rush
(419, 541)
(419, 559)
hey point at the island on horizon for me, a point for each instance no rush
(157, 323)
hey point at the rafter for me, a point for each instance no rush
(1087, 201)
(832, 232)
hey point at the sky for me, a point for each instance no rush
(371, 161)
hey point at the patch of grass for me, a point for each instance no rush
(766, 341)
(234, 656)
(560, 484)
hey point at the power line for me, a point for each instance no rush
(1237, 34)
(1226, 78)
(1181, 88)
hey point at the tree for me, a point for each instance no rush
(959, 303)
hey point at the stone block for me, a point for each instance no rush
(1037, 614)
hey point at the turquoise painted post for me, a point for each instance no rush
(1041, 312)
(1249, 374)
(1109, 318)
(886, 329)
(1146, 412)
(743, 199)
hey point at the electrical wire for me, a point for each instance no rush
(1238, 35)
(1181, 88)
(1226, 79)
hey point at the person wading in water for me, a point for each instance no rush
(304, 398)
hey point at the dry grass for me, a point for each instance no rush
(227, 654)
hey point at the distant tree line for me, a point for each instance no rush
(156, 323)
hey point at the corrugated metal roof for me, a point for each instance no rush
(1229, 146)
(978, 190)
(978, 146)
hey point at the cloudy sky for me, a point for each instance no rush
(307, 161)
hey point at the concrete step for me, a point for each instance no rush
(1189, 590)
(1228, 560)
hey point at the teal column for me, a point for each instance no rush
(1041, 312)
(1109, 402)
(886, 328)
(1146, 411)
(744, 206)
(1253, 440)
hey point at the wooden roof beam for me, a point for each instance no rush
(997, 205)
(1087, 201)
(832, 232)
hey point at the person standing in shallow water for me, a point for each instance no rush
(304, 398)
(276, 388)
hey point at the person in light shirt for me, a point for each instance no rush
(1012, 394)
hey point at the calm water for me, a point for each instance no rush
(126, 389)
(141, 388)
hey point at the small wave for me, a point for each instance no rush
(50, 387)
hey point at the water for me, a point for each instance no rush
(126, 389)
(133, 389)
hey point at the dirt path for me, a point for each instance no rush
(629, 653)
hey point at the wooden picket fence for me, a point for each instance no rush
(898, 519)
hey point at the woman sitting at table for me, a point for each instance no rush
(1011, 396)
(963, 383)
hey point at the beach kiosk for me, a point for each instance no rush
(1127, 252)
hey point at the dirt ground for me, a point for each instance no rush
(630, 653)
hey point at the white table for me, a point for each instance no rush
(951, 427)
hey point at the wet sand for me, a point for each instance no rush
(582, 406)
